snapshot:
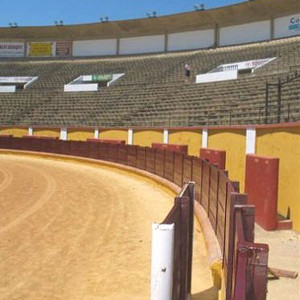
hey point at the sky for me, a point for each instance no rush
(46, 12)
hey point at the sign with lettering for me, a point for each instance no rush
(294, 24)
(41, 49)
(63, 49)
(12, 49)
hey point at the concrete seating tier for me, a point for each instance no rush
(153, 91)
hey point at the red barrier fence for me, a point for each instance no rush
(107, 141)
(182, 216)
(262, 172)
(244, 262)
(214, 156)
(171, 147)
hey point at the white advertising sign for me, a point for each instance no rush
(11, 49)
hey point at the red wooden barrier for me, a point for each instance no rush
(159, 162)
(169, 165)
(197, 177)
(107, 141)
(261, 185)
(214, 156)
(171, 147)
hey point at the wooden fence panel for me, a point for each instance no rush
(197, 177)
(178, 168)
(159, 162)
(141, 158)
(131, 155)
(187, 168)
(150, 160)
(205, 186)
(169, 165)
(213, 197)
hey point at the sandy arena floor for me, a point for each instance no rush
(78, 231)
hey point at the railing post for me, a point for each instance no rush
(267, 103)
(279, 101)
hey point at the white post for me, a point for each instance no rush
(30, 131)
(204, 138)
(64, 134)
(96, 133)
(162, 258)
(250, 140)
(130, 136)
(166, 136)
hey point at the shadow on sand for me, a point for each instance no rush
(209, 294)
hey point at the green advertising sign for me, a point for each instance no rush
(102, 77)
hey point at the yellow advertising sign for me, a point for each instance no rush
(40, 49)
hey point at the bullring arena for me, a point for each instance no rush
(123, 176)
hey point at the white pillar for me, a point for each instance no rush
(250, 140)
(64, 134)
(162, 258)
(96, 133)
(130, 136)
(30, 130)
(204, 138)
(166, 136)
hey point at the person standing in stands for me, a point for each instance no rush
(187, 72)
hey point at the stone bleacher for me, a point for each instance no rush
(153, 91)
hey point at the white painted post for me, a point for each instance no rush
(130, 136)
(30, 130)
(166, 136)
(96, 133)
(64, 134)
(204, 138)
(162, 258)
(250, 140)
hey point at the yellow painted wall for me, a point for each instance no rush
(284, 144)
(80, 135)
(234, 143)
(192, 138)
(16, 132)
(47, 132)
(145, 138)
(114, 134)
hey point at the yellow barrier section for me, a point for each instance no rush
(114, 134)
(284, 144)
(80, 134)
(192, 138)
(51, 132)
(145, 138)
(234, 143)
(16, 132)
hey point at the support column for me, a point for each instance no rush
(217, 35)
(64, 134)
(96, 133)
(250, 140)
(162, 258)
(204, 138)
(272, 29)
(166, 42)
(166, 136)
(30, 130)
(130, 136)
(118, 46)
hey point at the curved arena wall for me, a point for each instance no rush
(280, 140)
(251, 21)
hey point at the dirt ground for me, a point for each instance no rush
(78, 231)
(284, 253)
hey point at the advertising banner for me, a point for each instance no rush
(41, 49)
(294, 24)
(12, 49)
(63, 49)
